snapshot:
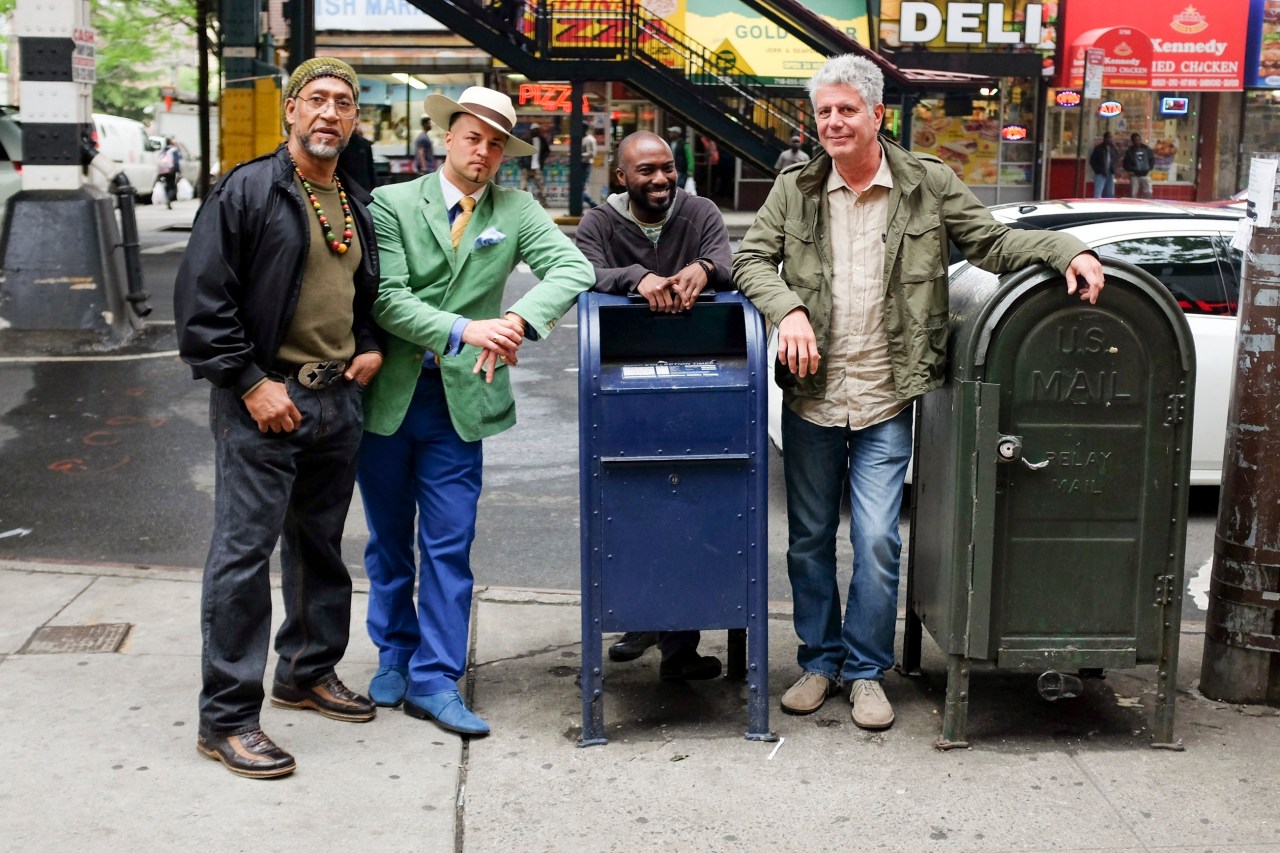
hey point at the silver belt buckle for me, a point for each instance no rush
(318, 375)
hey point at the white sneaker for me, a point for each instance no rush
(871, 710)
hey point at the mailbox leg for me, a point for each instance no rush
(955, 714)
(1166, 688)
(911, 637)
(592, 676)
(758, 682)
(737, 668)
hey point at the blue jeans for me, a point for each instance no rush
(423, 473)
(816, 461)
(1104, 186)
(297, 485)
(586, 185)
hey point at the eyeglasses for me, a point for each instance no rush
(344, 107)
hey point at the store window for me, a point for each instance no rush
(1167, 121)
(988, 139)
(1261, 127)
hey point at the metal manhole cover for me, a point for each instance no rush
(76, 639)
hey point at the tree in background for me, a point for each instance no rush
(136, 39)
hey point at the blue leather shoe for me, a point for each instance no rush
(447, 711)
(389, 685)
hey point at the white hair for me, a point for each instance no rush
(850, 70)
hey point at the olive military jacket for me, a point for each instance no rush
(929, 208)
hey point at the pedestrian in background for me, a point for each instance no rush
(589, 149)
(531, 165)
(448, 243)
(424, 152)
(1104, 160)
(1138, 160)
(169, 168)
(683, 155)
(794, 154)
(272, 306)
(356, 160)
(861, 311)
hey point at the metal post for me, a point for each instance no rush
(1242, 628)
(575, 149)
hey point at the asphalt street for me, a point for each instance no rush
(108, 458)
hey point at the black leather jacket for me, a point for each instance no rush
(238, 285)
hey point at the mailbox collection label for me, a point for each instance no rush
(662, 368)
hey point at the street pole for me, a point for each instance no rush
(1242, 628)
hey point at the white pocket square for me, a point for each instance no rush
(489, 237)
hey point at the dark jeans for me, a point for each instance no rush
(298, 484)
(170, 181)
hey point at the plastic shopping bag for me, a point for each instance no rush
(186, 192)
(158, 194)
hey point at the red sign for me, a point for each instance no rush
(1067, 98)
(551, 97)
(1157, 44)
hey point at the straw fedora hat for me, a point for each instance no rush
(492, 108)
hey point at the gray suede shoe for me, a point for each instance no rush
(807, 694)
(871, 710)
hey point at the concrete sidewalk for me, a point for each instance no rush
(100, 750)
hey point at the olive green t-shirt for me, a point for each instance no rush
(321, 329)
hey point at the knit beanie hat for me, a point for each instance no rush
(320, 66)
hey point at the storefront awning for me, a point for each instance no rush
(1128, 58)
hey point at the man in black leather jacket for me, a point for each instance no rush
(272, 306)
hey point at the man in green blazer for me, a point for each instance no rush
(447, 243)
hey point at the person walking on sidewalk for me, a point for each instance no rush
(272, 305)
(657, 241)
(683, 155)
(169, 168)
(448, 242)
(424, 152)
(1138, 160)
(861, 311)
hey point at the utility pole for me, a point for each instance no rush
(1242, 628)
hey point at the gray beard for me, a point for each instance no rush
(322, 152)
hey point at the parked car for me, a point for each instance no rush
(10, 159)
(124, 146)
(1186, 247)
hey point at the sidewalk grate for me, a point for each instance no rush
(76, 639)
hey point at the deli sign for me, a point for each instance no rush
(1187, 45)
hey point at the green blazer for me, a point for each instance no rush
(425, 287)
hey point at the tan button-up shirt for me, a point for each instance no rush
(860, 390)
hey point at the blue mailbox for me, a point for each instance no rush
(673, 479)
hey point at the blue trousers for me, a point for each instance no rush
(296, 485)
(424, 473)
(815, 464)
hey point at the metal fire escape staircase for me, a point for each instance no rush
(620, 40)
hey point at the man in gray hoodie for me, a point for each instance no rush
(659, 242)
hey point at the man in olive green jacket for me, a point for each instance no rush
(447, 243)
(862, 233)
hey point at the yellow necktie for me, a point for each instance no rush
(468, 204)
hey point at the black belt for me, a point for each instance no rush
(312, 374)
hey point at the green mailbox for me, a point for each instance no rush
(1050, 486)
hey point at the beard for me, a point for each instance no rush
(319, 151)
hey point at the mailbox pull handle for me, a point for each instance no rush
(1009, 449)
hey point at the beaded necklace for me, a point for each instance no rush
(334, 244)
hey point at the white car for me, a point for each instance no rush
(1186, 247)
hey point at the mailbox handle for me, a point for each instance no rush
(1009, 449)
(651, 460)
